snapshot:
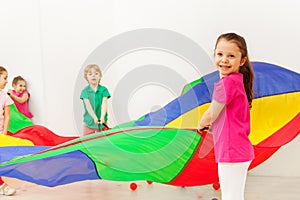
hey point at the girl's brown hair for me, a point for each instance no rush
(17, 79)
(2, 69)
(246, 69)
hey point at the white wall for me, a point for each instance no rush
(49, 41)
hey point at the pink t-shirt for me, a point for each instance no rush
(23, 107)
(5, 100)
(232, 127)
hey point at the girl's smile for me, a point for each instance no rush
(228, 58)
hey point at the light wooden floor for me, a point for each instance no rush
(257, 188)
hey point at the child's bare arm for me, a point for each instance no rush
(90, 110)
(211, 114)
(6, 119)
(104, 108)
(18, 99)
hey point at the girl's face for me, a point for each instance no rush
(20, 86)
(228, 58)
(3, 80)
(93, 77)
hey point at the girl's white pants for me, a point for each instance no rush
(232, 177)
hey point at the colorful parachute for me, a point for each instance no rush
(17, 120)
(161, 146)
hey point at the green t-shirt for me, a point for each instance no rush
(95, 98)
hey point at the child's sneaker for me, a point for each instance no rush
(7, 190)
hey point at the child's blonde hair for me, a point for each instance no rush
(89, 67)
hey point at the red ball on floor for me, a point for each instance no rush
(216, 186)
(133, 186)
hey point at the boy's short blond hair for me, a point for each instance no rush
(89, 67)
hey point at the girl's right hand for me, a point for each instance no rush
(202, 128)
(96, 121)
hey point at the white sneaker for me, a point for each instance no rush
(7, 190)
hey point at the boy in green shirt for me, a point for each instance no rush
(95, 98)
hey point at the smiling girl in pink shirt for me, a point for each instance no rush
(228, 116)
(20, 96)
